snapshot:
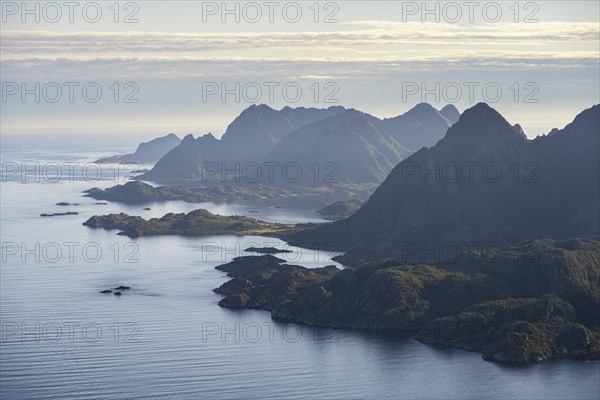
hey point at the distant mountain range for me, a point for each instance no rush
(247, 139)
(324, 146)
(147, 152)
(484, 183)
(483, 240)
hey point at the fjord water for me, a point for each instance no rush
(166, 337)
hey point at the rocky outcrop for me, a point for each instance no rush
(537, 301)
(522, 330)
(195, 223)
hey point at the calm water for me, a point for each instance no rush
(167, 337)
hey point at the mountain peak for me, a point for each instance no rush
(518, 128)
(255, 110)
(419, 203)
(451, 113)
(481, 112)
(481, 123)
(420, 109)
(260, 107)
(209, 136)
(188, 138)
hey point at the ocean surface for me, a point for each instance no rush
(166, 337)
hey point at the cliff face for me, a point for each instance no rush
(483, 182)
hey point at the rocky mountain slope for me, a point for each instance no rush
(485, 183)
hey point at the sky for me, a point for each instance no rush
(152, 67)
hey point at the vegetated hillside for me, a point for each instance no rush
(536, 301)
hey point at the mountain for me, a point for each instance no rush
(309, 146)
(484, 182)
(421, 126)
(147, 152)
(348, 147)
(259, 128)
(358, 148)
(451, 113)
(185, 160)
(247, 139)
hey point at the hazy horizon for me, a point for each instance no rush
(368, 56)
(347, 242)
(142, 132)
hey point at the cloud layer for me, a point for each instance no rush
(356, 46)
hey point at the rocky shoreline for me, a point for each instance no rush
(138, 192)
(195, 223)
(509, 311)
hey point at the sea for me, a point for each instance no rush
(166, 337)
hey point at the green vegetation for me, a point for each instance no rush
(140, 192)
(195, 223)
(262, 281)
(536, 301)
(517, 330)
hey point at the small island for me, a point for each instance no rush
(138, 192)
(196, 223)
(340, 209)
(59, 214)
(266, 250)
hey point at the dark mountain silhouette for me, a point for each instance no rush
(484, 182)
(324, 146)
(247, 139)
(185, 160)
(421, 126)
(147, 152)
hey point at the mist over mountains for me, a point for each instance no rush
(324, 145)
(247, 139)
